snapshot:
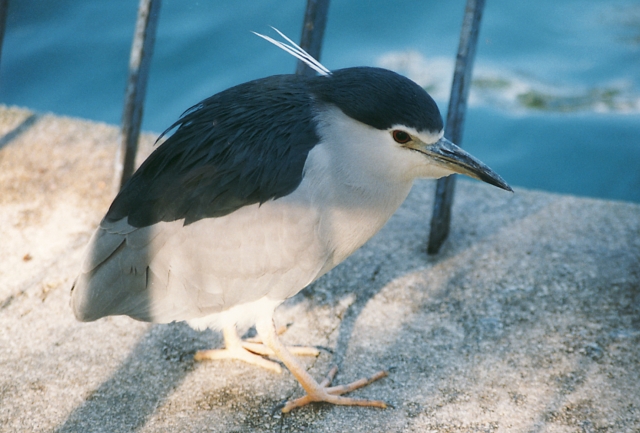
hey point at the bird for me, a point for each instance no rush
(254, 194)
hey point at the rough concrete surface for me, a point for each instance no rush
(527, 321)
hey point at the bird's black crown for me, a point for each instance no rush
(379, 98)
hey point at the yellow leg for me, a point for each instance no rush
(251, 352)
(256, 345)
(233, 350)
(316, 392)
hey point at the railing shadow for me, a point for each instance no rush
(27, 123)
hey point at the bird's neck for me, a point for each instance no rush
(354, 201)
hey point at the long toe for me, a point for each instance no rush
(261, 349)
(343, 389)
(324, 396)
(238, 353)
(333, 394)
(315, 391)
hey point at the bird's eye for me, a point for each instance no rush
(401, 136)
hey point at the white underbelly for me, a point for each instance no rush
(242, 316)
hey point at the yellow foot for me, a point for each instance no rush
(256, 345)
(239, 353)
(324, 393)
(250, 351)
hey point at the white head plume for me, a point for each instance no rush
(297, 52)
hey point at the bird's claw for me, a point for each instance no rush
(333, 394)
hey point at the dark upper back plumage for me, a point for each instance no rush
(248, 144)
(228, 151)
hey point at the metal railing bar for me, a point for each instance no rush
(441, 217)
(4, 8)
(313, 26)
(139, 65)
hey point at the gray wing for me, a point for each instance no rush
(170, 271)
(186, 236)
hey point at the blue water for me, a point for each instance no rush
(556, 104)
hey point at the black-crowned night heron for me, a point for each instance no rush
(262, 189)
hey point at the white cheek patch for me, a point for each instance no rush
(427, 137)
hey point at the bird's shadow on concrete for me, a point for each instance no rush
(155, 367)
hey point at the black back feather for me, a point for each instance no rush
(248, 144)
(245, 145)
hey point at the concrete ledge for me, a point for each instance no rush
(528, 321)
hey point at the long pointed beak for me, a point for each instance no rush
(457, 160)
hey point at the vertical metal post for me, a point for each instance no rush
(4, 7)
(315, 21)
(139, 64)
(441, 218)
